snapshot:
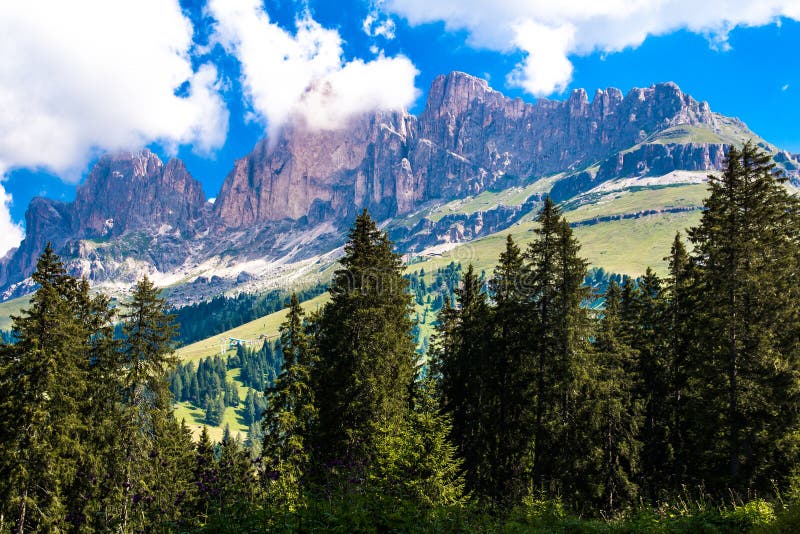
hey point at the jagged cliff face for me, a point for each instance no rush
(292, 196)
(322, 174)
(468, 138)
(124, 193)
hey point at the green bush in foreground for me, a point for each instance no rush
(378, 513)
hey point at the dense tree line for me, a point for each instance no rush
(531, 404)
(686, 383)
(88, 438)
(207, 318)
(259, 368)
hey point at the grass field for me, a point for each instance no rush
(266, 326)
(9, 308)
(623, 246)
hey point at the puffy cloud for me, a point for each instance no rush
(376, 25)
(81, 77)
(10, 232)
(548, 32)
(304, 74)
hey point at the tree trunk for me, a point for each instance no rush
(22, 510)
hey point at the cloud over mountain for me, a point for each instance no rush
(90, 75)
(304, 74)
(549, 32)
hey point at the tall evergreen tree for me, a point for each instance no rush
(614, 411)
(290, 410)
(95, 491)
(509, 379)
(643, 317)
(555, 295)
(416, 459)
(678, 326)
(44, 384)
(147, 357)
(746, 250)
(366, 352)
(465, 369)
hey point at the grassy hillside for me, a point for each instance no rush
(9, 308)
(254, 330)
(626, 246)
(258, 330)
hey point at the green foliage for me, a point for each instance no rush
(415, 460)
(366, 353)
(748, 356)
(543, 408)
(291, 411)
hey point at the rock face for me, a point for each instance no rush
(652, 159)
(124, 193)
(321, 175)
(292, 195)
(468, 138)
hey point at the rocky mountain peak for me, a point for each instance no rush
(468, 139)
(456, 93)
(133, 190)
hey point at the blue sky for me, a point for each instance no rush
(243, 68)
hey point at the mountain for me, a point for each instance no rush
(281, 212)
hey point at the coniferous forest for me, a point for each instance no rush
(673, 407)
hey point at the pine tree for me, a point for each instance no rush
(95, 495)
(678, 326)
(416, 460)
(43, 387)
(508, 382)
(643, 316)
(206, 477)
(559, 331)
(462, 361)
(147, 358)
(746, 252)
(290, 411)
(169, 492)
(366, 353)
(614, 411)
(236, 481)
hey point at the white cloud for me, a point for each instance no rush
(376, 25)
(85, 76)
(10, 232)
(304, 74)
(549, 32)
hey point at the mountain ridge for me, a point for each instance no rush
(290, 198)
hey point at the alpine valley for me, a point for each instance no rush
(447, 184)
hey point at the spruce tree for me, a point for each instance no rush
(95, 495)
(643, 316)
(465, 374)
(509, 380)
(555, 295)
(290, 411)
(678, 326)
(206, 477)
(147, 358)
(416, 460)
(746, 252)
(614, 411)
(366, 352)
(44, 384)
